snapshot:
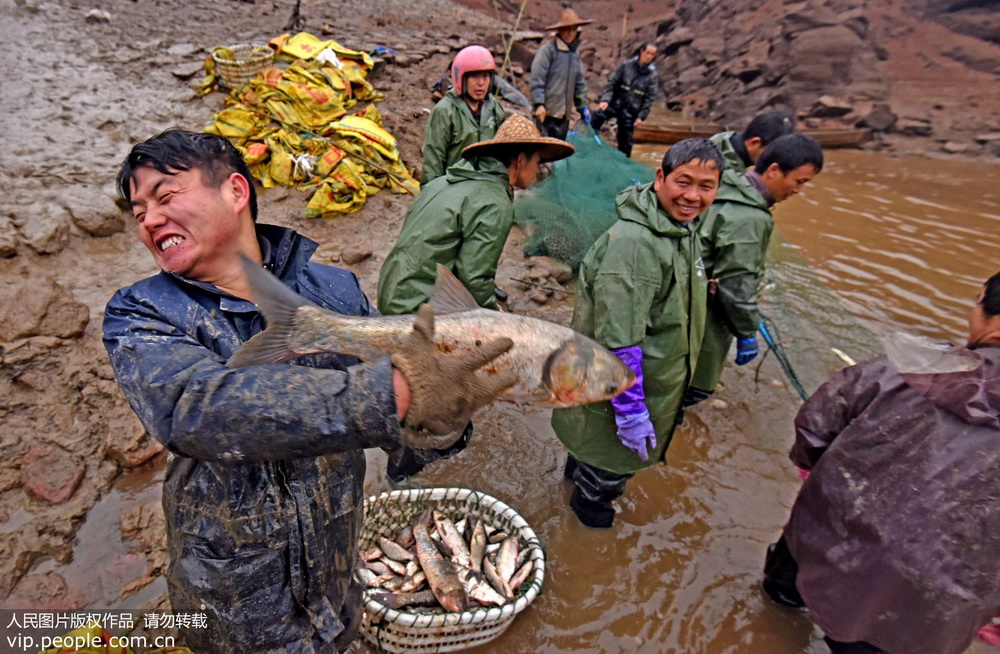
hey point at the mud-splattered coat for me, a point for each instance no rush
(263, 492)
(642, 283)
(897, 530)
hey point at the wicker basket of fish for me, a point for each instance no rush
(444, 569)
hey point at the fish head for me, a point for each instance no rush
(581, 371)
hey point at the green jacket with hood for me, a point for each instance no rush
(734, 233)
(461, 221)
(735, 166)
(451, 127)
(642, 283)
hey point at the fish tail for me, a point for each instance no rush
(279, 305)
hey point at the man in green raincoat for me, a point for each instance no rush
(642, 294)
(742, 149)
(462, 221)
(467, 114)
(735, 233)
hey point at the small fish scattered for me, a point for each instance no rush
(556, 366)
(450, 559)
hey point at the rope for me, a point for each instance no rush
(779, 352)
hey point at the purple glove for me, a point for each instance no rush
(636, 433)
(631, 415)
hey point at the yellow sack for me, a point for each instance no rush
(368, 133)
(237, 123)
(327, 201)
(306, 46)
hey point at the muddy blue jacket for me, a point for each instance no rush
(263, 494)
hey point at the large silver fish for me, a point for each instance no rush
(556, 366)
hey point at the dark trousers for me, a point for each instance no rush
(557, 128)
(626, 127)
(405, 461)
(595, 485)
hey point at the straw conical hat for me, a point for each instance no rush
(569, 19)
(518, 130)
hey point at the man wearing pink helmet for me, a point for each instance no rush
(467, 114)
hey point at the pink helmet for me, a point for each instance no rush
(471, 59)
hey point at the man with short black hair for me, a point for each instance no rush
(629, 96)
(735, 234)
(264, 487)
(742, 149)
(642, 295)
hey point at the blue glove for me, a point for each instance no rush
(746, 350)
(585, 112)
(636, 433)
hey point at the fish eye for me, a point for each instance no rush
(612, 389)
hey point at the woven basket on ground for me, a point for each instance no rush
(403, 632)
(249, 60)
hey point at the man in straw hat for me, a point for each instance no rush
(557, 80)
(461, 221)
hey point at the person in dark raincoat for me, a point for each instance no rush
(629, 96)
(735, 233)
(468, 113)
(263, 491)
(894, 540)
(462, 221)
(557, 80)
(642, 294)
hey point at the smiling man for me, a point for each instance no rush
(735, 234)
(263, 491)
(642, 294)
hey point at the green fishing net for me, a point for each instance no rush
(815, 333)
(565, 213)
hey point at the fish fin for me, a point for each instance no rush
(278, 304)
(450, 295)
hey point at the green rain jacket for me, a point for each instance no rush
(451, 127)
(735, 166)
(642, 283)
(734, 233)
(461, 221)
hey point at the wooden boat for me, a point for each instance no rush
(668, 134)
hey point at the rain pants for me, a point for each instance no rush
(557, 79)
(263, 492)
(641, 283)
(452, 127)
(461, 221)
(735, 233)
(896, 532)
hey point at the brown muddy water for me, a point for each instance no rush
(873, 245)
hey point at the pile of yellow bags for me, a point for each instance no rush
(293, 127)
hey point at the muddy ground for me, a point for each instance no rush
(78, 91)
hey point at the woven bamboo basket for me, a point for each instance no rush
(400, 631)
(250, 60)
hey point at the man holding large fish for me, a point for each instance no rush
(263, 493)
(461, 221)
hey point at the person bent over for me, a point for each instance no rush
(641, 294)
(461, 221)
(893, 543)
(735, 234)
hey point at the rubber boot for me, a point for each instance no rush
(570, 468)
(500, 294)
(780, 573)
(596, 515)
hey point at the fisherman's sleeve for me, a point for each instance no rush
(613, 82)
(484, 232)
(437, 136)
(647, 101)
(539, 74)
(828, 412)
(581, 86)
(195, 406)
(740, 256)
(624, 287)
